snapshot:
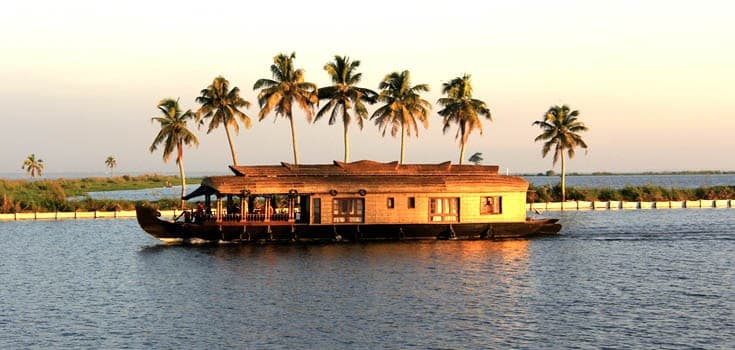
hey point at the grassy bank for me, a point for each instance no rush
(648, 193)
(51, 195)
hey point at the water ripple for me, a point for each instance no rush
(625, 279)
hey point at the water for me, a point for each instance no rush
(148, 194)
(615, 279)
(620, 181)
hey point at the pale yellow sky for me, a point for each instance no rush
(79, 80)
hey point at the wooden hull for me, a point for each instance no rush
(178, 232)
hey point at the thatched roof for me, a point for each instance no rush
(372, 177)
(362, 167)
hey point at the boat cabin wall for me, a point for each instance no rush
(411, 208)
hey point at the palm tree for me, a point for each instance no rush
(174, 134)
(476, 158)
(34, 167)
(111, 163)
(280, 93)
(403, 105)
(221, 104)
(462, 109)
(560, 128)
(344, 95)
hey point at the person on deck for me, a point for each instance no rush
(489, 206)
(270, 212)
(236, 211)
(199, 214)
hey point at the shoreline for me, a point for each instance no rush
(537, 207)
(78, 175)
(24, 196)
(636, 173)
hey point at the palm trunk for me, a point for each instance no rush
(461, 153)
(180, 161)
(293, 140)
(347, 146)
(563, 179)
(403, 144)
(232, 145)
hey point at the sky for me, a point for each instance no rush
(653, 80)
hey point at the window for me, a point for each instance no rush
(348, 210)
(411, 202)
(491, 205)
(444, 209)
(391, 202)
(317, 211)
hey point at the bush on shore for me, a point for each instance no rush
(649, 193)
(52, 195)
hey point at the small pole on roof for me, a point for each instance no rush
(507, 171)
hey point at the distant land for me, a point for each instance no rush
(200, 174)
(94, 174)
(49, 195)
(605, 173)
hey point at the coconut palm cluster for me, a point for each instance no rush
(400, 110)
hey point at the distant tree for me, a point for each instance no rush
(402, 106)
(221, 106)
(550, 172)
(111, 163)
(476, 158)
(286, 88)
(344, 95)
(461, 109)
(174, 135)
(560, 129)
(33, 166)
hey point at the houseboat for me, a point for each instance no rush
(358, 201)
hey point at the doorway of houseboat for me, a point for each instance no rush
(302, 209)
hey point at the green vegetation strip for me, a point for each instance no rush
(649, 193)
(52, 195)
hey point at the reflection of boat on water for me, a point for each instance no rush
(363, 200)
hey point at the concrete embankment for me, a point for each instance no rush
(621, 205)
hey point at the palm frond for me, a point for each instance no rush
(560, 129)
(173, 128)
(264, 83)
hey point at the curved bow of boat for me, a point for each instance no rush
(149, 220)
(546, 226)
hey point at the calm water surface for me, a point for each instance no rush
(621, 279)
(148, 194)
(620, 181)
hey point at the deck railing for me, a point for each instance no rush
(282, 217)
